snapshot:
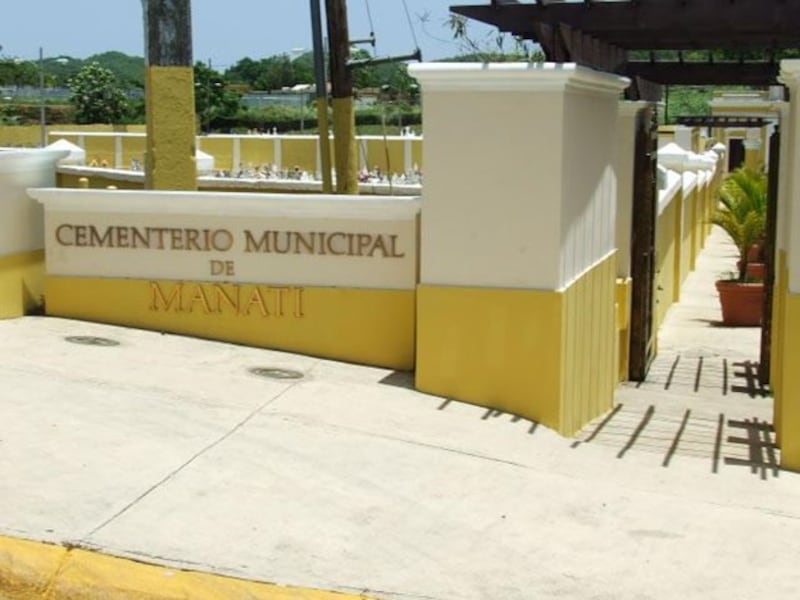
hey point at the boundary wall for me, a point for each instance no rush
(234, 152)
(323, 275)
(687, 195)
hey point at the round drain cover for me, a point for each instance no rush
(272, 373)
(90, 340)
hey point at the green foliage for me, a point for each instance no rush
(212, 98)
(18, 73)
(492, 47)
(97, 96)
(129, 70)
(273, 73)
(743, 211)
(29, 114)
(682, 101)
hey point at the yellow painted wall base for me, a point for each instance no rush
(547, 356)
(21, 283)
(366, 326)
(32, 570)
(624, 289)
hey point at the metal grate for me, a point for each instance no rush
(90, 340)
(275, 373)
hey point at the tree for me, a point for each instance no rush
(492, 46)
(129, 70)
(211, 97)
(18, 73)
(743, 211)
(273, 73)
(97, 96)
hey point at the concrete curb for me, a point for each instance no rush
(37, 570)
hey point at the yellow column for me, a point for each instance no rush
(170, 156)
(344, 144)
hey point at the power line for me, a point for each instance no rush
(411, 25)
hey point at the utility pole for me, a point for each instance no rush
(344, 121)
(42, 100)
(169, 87)
(322, 97)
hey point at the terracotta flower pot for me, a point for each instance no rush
(742, 303)
(755, 271)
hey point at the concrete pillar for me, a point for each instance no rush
(785, 378)
(169, 88)
(516, 305)
(21, 228)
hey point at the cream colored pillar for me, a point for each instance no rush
(21, 227)
(516, 306)
(785, 379)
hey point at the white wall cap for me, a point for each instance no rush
(689, 182)
(513, 76)
(27, 159)
(374, 208)
(76, 155)
(673, 157)
(631, 108)
(670, 191)
(126, 134)
(719, 148)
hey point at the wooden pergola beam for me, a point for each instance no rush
(704, 73)
(655, 23)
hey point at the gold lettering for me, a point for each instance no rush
(95, 239)
(321, 238)
(393, 244)
(308, 244)
(364, 240)
(330, 243)
(191, 239)
(223, 297)
(60, 239)
(199, 295)
(137, 235)
(176, 239)
(122, 237)
(350, 237)
(250, 244)
(379, 244)
(157, 296)
(279, 292)
(225, 244)
(160, 231)
(257, 299)
(276, 237)
(298, 303)
(80, 235)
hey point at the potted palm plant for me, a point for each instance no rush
(742, 214)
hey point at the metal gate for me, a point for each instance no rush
(643, 245)
(769, 255)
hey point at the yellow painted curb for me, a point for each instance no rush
(37, 570)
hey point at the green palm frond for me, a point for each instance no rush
(743, 210)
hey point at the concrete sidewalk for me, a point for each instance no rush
(172, 451)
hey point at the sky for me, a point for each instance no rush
(224, 31)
